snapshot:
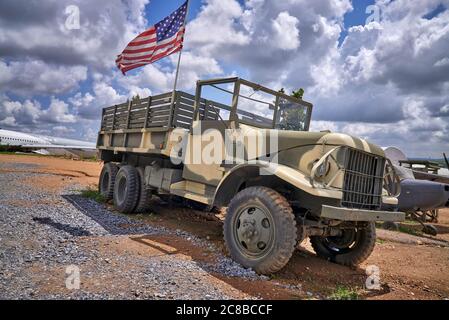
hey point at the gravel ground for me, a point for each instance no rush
(42, 233)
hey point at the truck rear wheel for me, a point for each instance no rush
(145, 194)
(126, 189)
(351, 248)
(260, 230)
(107, 180)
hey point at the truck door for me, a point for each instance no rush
(205, 152)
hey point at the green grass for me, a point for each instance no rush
(408, 227)
(93, 194)
(411, 231)
(344, 293)
(410, 223)
(89, 159)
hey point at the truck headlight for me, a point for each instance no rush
(322, 170)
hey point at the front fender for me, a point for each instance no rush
(263, 168)
(301, 181)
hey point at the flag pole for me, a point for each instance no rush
(177, 70)
(180, 51)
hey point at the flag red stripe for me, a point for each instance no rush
(139, 43)
(150, 51)
(146, 34)
(150, 57)
(149, 48)
(149, 32)
(143, 55)
(127, 68)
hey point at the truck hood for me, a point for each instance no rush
(292, 139)
(287, 140)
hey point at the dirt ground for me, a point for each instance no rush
(410, 266)
(61, 171)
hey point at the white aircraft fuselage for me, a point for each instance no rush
(46, 144)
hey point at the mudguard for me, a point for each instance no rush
(289, 175)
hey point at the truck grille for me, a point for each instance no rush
(363, 180)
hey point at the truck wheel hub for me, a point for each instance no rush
(254, 230)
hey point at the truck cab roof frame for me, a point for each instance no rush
(236, 95)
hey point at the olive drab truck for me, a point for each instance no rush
(244, 147)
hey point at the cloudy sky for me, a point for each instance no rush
(375, 69)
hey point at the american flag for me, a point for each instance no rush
(159, 41)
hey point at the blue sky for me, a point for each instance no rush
(158, 9)
(387, 81)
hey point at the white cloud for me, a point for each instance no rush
(285, 31)
(442, 62)
(31, 112)
(8, 121)
(26, 112)
(63, 130)
(215, 27)
(88, 106)
(37, 30)
(57, 112)
(28, 78)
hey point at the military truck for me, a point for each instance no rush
(241, 146)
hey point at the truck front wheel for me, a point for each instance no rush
(260, 229)
(350, 248)
(126, 189)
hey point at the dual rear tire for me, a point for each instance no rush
(126, 189)
(126, 186)
(107, 180)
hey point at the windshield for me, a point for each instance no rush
(291, 116)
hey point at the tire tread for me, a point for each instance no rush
(130, 202)
(288, 224)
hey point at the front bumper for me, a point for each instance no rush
(346, 214)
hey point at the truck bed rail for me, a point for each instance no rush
(139, 113)
(159, 111)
